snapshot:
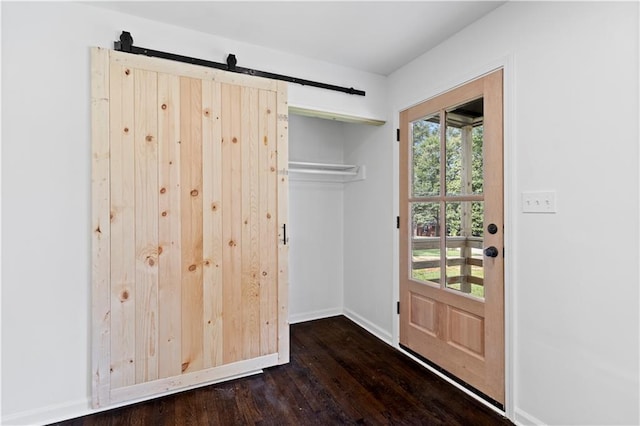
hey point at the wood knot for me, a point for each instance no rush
(266, 140)
(124, 295)
(111, 216)
(268, 215)
(126, 130)
(163, 190)
(151, 262)
(164, 214)
(194, 192)
(234, 140)
(273, 169)
(246, 222)
(206, 113)
(268, 111)
(264, 273)
(192, 268)
(127, 71)
(149, 138)
(232, 243)
(159, 249)
(207, 263)
(185, 365)
(214, 207)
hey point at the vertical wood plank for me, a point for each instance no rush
(443, 191)
(494, 213)
(100, 223)
(250, 225)
(191, 179)
(123, 257)
(146, 224)
(283, 218)
(212, 222)
(465, 208)
(169, 228)
(268, 223)
(231, 223)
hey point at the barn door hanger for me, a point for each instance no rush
(126, 45)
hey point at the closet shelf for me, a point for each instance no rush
(347, 172)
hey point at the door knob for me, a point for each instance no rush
(491, 251)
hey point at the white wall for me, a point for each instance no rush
(572, 126)
(46, 196)
(316, 211)
(370, 230)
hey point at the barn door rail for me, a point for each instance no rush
(126, 45)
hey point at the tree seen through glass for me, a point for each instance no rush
(463, 221)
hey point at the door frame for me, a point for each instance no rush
(510, 192)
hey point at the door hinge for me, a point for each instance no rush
(398, 307)
(398, 222)
(397, 135)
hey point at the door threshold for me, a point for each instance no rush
(460, 384)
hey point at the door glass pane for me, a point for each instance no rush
(464, 270)
(425, 167)
(464, 140)
(425, 242)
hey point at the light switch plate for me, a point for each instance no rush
(539, 202)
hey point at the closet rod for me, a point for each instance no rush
(126, 45)
(324, 172)
(331, 166)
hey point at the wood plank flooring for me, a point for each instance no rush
(339, 374)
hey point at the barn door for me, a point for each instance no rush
(451, 243)
(190, 202)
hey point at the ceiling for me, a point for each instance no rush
(373, 36)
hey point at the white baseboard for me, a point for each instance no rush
(82, 407)
(380, 333)
(310, 316)
(50, 413)
(522, 418)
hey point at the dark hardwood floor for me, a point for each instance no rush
(339, 374)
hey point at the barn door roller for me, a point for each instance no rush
(126, 45)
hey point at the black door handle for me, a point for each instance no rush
(491, 251)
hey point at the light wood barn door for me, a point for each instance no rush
(189, 205)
